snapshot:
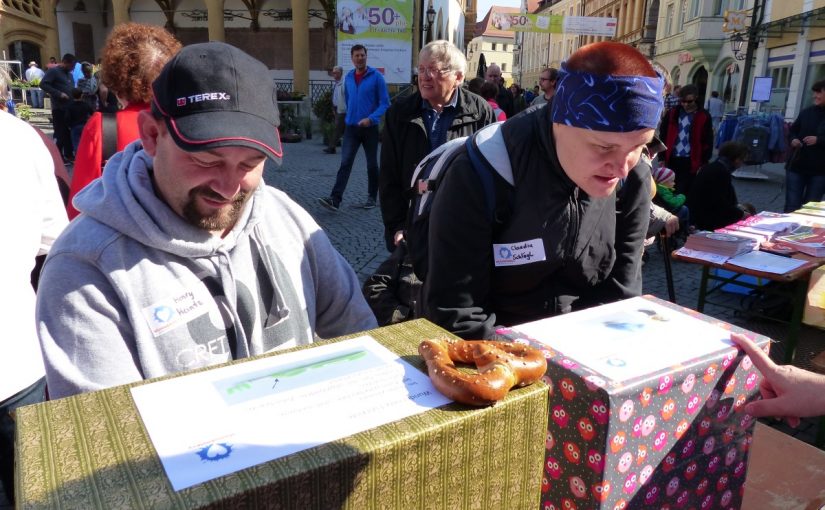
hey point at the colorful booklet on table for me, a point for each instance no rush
(809, 240)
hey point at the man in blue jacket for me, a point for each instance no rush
(367, 100)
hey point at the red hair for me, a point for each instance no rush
(610, 58)
(133, 56)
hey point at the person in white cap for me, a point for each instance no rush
(182, 257)
(33, 75)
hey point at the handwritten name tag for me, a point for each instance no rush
(517, 254)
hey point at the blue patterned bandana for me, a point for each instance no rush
(607, 103)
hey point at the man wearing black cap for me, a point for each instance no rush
(182, 258)
(58, 83)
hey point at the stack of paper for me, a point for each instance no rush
(762, 227)
(813, 209)
(725, 244)
(809, 240)
(766, 262)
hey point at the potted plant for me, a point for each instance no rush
(290, 127)
(308, 128)
(24, 112)
(322, 108)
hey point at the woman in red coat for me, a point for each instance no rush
(133, 56)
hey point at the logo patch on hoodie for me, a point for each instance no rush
(171, 312)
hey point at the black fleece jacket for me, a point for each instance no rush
(593, 246)
(404, 144)
(712, 198)
(809, 159)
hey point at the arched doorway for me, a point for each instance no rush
(25, 52)
(700, 79)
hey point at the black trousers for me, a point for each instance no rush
(684, 177)
(62, 133)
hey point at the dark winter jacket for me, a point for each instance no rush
(701, 136)
(712, 199)
(592, 246)
(404, 144)
(55, 81)
(809, 159)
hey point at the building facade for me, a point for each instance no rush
(792, 52)
(538, 50)
(296, 39)
(495, 43)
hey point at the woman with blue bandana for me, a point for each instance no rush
(569, 242)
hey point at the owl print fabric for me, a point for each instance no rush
(676, 439)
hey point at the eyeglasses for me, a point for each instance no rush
(544, 79)
(433, 72)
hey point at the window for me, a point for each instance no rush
(815, 73)
(682, 13)
(503, 47)
(669, 20)
(781, 77)
(694, 9)
(503, 67)
(720, 6)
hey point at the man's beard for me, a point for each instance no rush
(224, 218)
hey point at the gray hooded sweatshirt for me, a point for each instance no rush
(131, 291)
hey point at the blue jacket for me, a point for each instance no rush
(370, 99)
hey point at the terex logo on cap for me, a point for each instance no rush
(197, 98)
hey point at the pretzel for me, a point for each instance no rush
(501, 366)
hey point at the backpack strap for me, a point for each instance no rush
(109, 137)
(491, 162)
(425, 176)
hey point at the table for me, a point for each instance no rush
(798, 277)
(93, 451)
(783, 473)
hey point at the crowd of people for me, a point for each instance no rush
(179, 256)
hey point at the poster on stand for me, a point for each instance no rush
(384, 28)
(212, 423)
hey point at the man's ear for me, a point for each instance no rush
(150, 130)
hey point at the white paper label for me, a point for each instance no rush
(517, 254)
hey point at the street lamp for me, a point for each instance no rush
(430, 18)
(736, 42)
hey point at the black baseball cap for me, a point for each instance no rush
(215, 95)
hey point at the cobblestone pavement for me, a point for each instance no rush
(307, 173)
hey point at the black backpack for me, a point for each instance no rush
(491, 163)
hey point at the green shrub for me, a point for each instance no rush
(322, 108)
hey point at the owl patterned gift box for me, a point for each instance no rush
(646, 407)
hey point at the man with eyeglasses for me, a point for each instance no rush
(367, 100)
(441, 110)
(547, 83)
(687, 131)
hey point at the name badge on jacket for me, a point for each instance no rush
(517, 254)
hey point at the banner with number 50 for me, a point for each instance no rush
(384, 27)
(583, 25)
